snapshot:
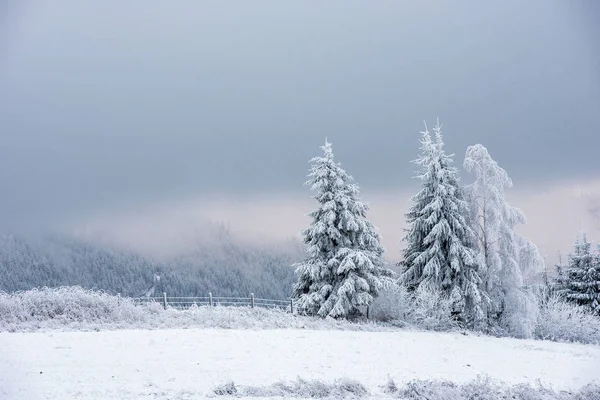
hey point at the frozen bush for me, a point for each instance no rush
(421, 310)
(486, 389)
(227, 389)
(539, 317)
(68, 305)
(314, 389)
(391, 305)
(390, 386)
(562, 321)
(482, 388)
(522, 311)
(432, 311)
(429, 389)
(75, 308)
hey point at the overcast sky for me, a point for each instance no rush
(117, 106)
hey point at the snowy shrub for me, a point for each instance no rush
(314, 389)
(562, 321)
(486, 389)
(226, 389)
(68, 305)
(421, 309)
(429, 389)
(390, 386)
(431, 311)
(75, 308)
(482, 388)
(391, 305)
(522, 312)
(590, 391)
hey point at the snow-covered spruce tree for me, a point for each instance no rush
(581, 277)
(344, 270)
(569, 274)
(559, 282)
(587, 286)
(438, 254)
(504, 257)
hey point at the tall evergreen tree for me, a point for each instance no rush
(580, 282)
(344, 270)
(438, 255)
(504, 257)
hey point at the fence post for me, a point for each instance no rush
(210, 303)
(291, 306)
(252, 300)
(119, 298)
(165, 300)
(367, 312)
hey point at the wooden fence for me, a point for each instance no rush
(183, 303)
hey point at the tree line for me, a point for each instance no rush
(225, 267)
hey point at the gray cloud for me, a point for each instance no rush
(105, 107)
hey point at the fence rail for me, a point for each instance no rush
(210, 300)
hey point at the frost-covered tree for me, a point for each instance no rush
(438, 254)
(569, 274)
(344, 270)
(504, 257)
(559, 282)
(593, 283)
(580, 281)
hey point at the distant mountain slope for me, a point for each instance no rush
(226, 267)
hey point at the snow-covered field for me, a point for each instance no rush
(189, 363)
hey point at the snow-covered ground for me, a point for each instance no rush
(189, 363)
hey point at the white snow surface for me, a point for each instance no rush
(189, 363)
